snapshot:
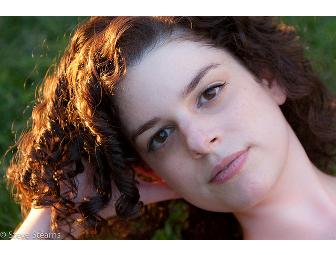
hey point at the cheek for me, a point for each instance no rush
(175, 168)
(261, 125)
(261, 122)
(273, 139)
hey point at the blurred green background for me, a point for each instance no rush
(30, 45)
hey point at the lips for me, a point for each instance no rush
(228, 167)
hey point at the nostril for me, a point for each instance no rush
(213, 140)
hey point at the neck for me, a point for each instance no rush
(301, 205)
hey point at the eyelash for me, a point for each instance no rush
(172, 129)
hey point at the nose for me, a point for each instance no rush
(200, 139)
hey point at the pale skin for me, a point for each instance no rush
(277, 194)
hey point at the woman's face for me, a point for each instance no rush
(187, 107)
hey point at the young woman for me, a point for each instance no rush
(224, 112)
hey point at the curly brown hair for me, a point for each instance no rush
(75, 116)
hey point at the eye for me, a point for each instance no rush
(209, 94)
(159, 138)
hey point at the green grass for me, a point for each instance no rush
(318, 34)
(29, 45)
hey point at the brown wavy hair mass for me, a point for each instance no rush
(75, 115)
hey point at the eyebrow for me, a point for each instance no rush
(186, 91)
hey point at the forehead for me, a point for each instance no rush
(158, 79)
(171, 63)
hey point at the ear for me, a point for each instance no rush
(275, 91)
(147, 174)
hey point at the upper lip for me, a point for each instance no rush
(225, 162)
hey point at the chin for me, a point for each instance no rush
(253, 193)
(244, 195)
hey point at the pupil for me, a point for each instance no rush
(209, 94)
(162, 136)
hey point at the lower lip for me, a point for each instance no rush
(227, 173)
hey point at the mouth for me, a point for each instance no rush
(228, 167)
